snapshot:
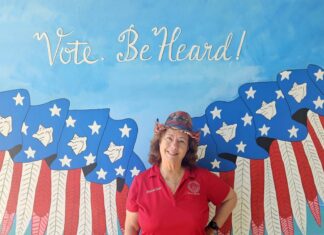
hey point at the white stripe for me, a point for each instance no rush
(296, 191)
(242, 185)
(57, 211)
(110, 207)
(315, 165)
(212, 211)
(85, 213)
(212, 207)
(5, 182)
(317, 126)
(28, 183)
(271, 211)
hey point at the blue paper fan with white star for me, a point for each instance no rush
(80, 139)
(300, 92)
(42, 130)
(271, 113)
(207, 150)
(135, 166)
(114, 151)
(234, 132)
(316, 74)
(14, 105)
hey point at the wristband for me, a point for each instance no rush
(212, 224)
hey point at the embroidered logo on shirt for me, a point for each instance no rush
(153, 190)
(193, 187)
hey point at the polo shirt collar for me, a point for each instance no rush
(155, 171)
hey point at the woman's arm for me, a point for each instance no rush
(225, 208)
(131, 223)
(223, 211)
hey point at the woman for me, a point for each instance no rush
(172, 196)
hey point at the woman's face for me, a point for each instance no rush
(174, 145)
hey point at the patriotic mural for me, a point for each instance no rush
(68, 171)
(273, 136)
(83, 82)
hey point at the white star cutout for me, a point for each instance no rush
(241, 147)
(279, 94)
(285, 75)
(125, 131)
(228, 132)
(120, 171)
(319, 75)
(30, 152)
(55, 111)
(5, 125)
(215, 163)
(94, 128)
(101, 174)
(134, 171)
(293, 131)
(205, 129)
(19, 99)
(216, 113)
(264, 130)
(44, 135)
(318, 103)
(70, 121)
(250, 93)
(267, 110)
(65, 161)
(247, 119)
(24, 128)
(90, 159)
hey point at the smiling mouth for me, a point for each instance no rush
(172, 154)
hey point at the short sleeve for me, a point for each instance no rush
(217, 189)
(131, 202)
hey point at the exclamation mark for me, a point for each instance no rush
(240, 46)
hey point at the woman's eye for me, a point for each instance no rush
(181, 141)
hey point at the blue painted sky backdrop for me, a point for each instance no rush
(279, 36)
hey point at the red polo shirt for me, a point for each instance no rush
(186, 212)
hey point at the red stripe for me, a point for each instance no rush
(316, 142)
(98, 209)
(72, 197)
(121, 206)
(42, 201)
(322, 120)
(228, 177)
(281, 186)
(39, 224)
(287, 225)
(43, 191)
(257, 229)
(2, 153)
(314, 205)
(13, 198)
(257, 196)
(14, 190)
(307, 179)
(7, 223)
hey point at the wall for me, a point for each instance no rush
(83, 84)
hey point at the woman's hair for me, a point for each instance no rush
(188, 161)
